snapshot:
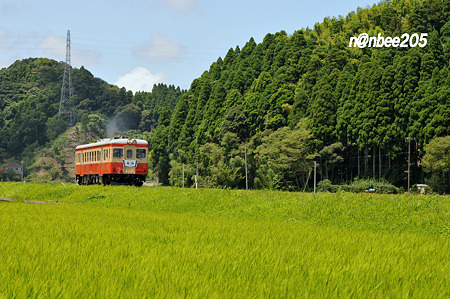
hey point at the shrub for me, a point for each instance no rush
(325, 185)
(359, 186)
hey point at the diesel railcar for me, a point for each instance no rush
(114, 160)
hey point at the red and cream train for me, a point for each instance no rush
(115, 160)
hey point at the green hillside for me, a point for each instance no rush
(295, 98)
(30, 92)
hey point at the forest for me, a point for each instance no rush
(295, 99)
(271, 109)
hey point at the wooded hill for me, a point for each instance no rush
(292, 99)
(30, 92)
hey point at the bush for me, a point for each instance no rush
(326, 185)
(438, 184)
(359, 186)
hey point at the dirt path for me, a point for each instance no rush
(42, 202)
(7, 199)
(31, 201)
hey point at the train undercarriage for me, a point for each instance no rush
(111, 179)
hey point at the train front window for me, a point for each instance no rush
(118, 153)
(140, 153)
(129, 154)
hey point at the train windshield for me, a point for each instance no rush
(118, 153)
(129, 154)
(140, 153)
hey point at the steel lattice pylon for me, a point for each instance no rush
(66, 88)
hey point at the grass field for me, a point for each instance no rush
(168, 242)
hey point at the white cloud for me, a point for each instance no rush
(181, 5)
(13, 8)
(55, 47)
(161, 48)
(140, 79)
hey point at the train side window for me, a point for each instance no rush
(129, 153)
(140, 153)
(118, 153)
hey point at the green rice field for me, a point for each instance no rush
(128, 242)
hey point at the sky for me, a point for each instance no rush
(138, 43)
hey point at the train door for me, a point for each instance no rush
(129, 160)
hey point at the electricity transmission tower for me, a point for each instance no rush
(66, 88)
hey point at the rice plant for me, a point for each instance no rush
(172, 242)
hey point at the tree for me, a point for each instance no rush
(128, 117)
(236, 122)
(437, 161)
(159, 157)
(437, 157)
(288, 152)
(93, 125)
(55, 127)
(331, 154)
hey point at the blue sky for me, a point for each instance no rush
(136, 43)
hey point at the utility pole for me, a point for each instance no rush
(246, 178)
(315, 165)
(21, 174)
(196, 177)
(66, 87)
(409, 162)
(359, 168)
